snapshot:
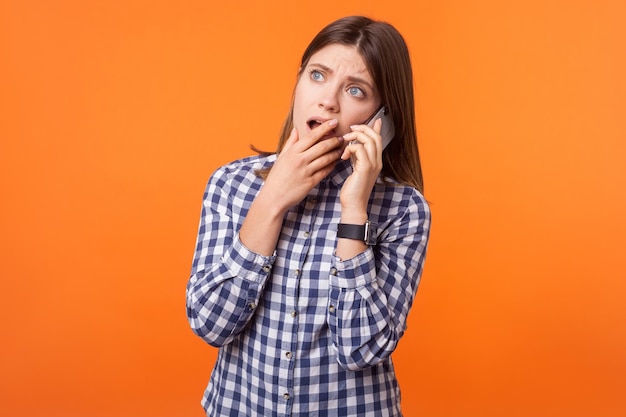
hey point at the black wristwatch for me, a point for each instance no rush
(364, 232)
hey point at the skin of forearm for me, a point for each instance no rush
(261, 227)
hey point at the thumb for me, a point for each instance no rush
(378, 125)
(292, 139)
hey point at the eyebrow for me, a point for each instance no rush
(350, 77)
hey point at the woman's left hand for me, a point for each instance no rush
(365, 149)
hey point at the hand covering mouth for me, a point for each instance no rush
(315, 123)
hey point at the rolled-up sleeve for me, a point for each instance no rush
(227, 279)
(372, 293)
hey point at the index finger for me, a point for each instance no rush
(321, 131)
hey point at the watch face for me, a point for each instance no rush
(371, 233)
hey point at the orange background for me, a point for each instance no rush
(113, 114)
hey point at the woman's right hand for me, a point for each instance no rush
(302, 164)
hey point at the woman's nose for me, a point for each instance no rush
(328, 101)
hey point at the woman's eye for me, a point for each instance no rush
(356, 92)
(316, 75)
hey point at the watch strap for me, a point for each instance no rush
(351, 231)
(366, 233)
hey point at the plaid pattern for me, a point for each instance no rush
(303, 333)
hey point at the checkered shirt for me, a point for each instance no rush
(302, 332)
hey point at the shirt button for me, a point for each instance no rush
(267, 268)
(333, 271)
(251, 306)
(286, 396)
(306, 234)
(288, 355)
(294, 313)
(331, 308)
(297, 272)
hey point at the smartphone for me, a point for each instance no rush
(387, 131)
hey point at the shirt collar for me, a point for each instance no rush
(337, 176)
(341, 172)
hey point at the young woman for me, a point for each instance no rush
(308, 259)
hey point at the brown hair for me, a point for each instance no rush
(387, 58)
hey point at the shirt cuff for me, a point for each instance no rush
(355, 272)
(242, 262)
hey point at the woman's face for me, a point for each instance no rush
(335, 84)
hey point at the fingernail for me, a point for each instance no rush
(333, 122)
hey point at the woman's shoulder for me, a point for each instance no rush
(392, 199)
(388, 187)
(247, 164)
(241, 171)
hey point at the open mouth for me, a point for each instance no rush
(313, 124)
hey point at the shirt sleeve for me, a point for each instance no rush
(372, 293)
(226, 277)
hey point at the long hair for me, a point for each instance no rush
(387, 58)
